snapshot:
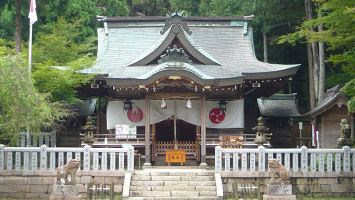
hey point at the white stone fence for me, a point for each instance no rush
(36, 140)
(49, 158)
(302, 159)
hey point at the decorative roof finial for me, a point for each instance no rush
(176, 23)
(174, 54)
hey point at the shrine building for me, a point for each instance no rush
(177, 82)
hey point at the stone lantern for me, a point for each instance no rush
(89, 129)
(260, 129)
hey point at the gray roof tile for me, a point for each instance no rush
(226, 45)
(279, 105)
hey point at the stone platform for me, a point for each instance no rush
(71, 192)
(279, 192)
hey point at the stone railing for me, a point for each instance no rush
(36, 140)
(302, 159)
(49, 158)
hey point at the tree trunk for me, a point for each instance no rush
(265, 46)
(18, 28)
(321, 62)
(315, 57)
(312, 51)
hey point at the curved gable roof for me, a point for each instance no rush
(128, 49)
(164, 42)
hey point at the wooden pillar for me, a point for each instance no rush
(322, 135)
(147, 132)
(198, 155)
(98, 117)
(203, 131)
(154, 143)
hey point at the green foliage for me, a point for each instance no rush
(338, 18)
(49, 11)
(226, 8)
(349, 90)
(112, 7)
(6, 47)
(7, 18)
(149, 7)
(189, 6)
(58, 60)
(21, 106)
(338, 78)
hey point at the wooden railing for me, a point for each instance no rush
(190, 148)
(248, 139)
(302, 159)
(37, 140)
(102, 139)
(36, 158)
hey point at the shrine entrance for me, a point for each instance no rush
(187, 138)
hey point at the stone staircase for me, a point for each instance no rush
(172, 184)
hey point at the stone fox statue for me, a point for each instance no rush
(281, 171)
(69, 168)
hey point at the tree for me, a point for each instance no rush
(21, 106)
(49, 11)
(338, 18)
(148, 7)
(57, 60)
(112, 7)
(18, 32)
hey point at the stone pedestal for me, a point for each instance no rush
(71, 192)
(279, 192)
(344, 142)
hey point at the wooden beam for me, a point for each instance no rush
(175, 95)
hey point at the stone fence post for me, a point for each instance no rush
(86, 157)
(130, 158)
(2, 154)
(43, 159)
(261, 159)
(218, 159)
(304, 159)
(346, 159)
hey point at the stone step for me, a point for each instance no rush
(208, 193)
(174, 173)
(184, 193)
(156, 185)
(171, 178)
(173, 193)
(206, 188)
(197, 178)
(177, 183)
(147, 183)
(150, 193)
(174, 188)
(172, 198)
(205, 183)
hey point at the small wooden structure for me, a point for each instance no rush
(280, 111)
(327, 115)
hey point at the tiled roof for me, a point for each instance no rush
(86, 107)
(331, 96)
(279, 105)
(225, 44)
